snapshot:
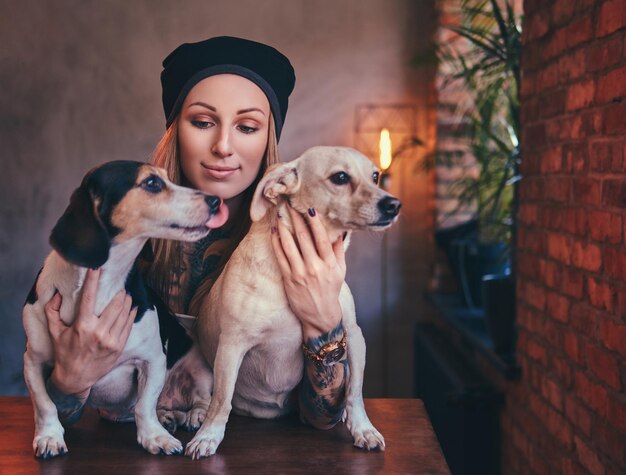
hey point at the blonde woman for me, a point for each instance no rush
(225, 100)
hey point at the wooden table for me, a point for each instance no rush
(280, 446)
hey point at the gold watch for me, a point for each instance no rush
(328, 354)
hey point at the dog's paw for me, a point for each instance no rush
(48, 446)
(161, 443)
(205, 443)
(170, 419)
(195, 418)
(368, 438)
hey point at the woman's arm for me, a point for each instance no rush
(313, 272)
(87, 349)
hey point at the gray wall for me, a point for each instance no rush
(79, 85)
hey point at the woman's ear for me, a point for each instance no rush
(79, 236)
(280, 180)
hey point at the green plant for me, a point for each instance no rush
(489, 70)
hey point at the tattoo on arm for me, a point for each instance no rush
(323, 390)
(69, 406)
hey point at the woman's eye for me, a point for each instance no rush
(153, 184)
(201, 124)
(246, 129)
(376, 177)
(340, 178)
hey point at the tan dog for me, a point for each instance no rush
(246, 329)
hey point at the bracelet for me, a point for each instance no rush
(327, 355)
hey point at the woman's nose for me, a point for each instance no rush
(222, 147)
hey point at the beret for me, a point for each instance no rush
(190, 63)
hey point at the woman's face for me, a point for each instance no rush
(222, 134)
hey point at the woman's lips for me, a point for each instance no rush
(218, 173)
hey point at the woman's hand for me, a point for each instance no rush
(87, 349)
(313, 271)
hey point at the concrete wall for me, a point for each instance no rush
(79, 85)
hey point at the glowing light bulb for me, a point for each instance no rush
(384, 146)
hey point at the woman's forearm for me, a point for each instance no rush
(323, 391)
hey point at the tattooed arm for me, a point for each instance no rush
(323, 389)
(313, 271)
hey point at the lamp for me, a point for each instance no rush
(385, 157)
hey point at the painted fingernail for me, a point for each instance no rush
(273, 229)
(311, 212)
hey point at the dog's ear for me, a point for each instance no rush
(79, 235)
(280, 180)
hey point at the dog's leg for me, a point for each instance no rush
(48, 441)
(364, 433)
(186, 395)
(150, 433)
(230, 353)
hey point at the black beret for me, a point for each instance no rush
(191, 62)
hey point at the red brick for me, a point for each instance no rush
(613, 335)
(547, 78)
(529, 214)
(534, 135)
(571, 66)
(536, 27)
(527, 86)
(614, 263)
(561, 370)
(604, 365)
(530, 110)
(551, 392)
(601, 294)
(582, 318)
(587, 190)
(603, 55)
(558, 306)
(612, 16)
(553, 103)
(551, 160)
(570, 467)
(612, 85)
(559, 247)
(614, 192)
(617, 413)
(576, 157)
(592, 394)
(531, 188)
(588, 458)
(586, 256)
(558, 189)
(551, 274)
(567, 128)
(576, 413)
(537, 352)
(556, 45)
(605, 226)
(572, 283)
(579, 31)
(614, 122)
(571, 346)
(580, 95)
(534, 295)
(607, 155)
(610, 443)
(561, 11)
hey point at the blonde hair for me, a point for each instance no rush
(168, 254)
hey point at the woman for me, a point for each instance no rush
(225, 101)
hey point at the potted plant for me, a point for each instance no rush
(489, 71)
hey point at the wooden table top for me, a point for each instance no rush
(250, 446)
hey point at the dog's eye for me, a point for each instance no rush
(376, 177)
(153, 184)
(340, 178)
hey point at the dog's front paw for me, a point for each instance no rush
(49, 445)
(160, 443)
(205, 443)
(368, 438)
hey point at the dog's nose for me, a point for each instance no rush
(389, 207)
(213, 202)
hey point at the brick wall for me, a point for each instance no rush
(568, 412)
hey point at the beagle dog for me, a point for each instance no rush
(246, 329)
(116, 209)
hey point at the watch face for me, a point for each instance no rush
(334, 355)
